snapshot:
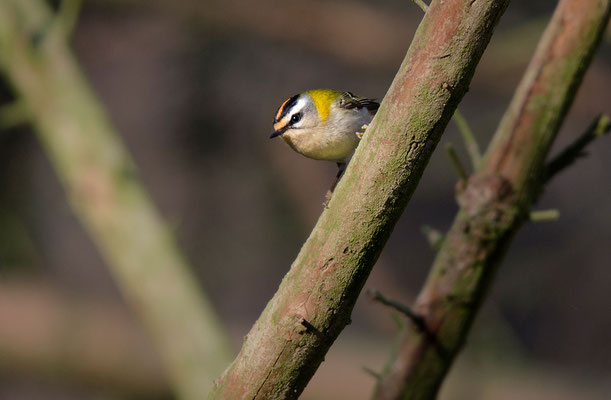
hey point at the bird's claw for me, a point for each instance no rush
(361, 134)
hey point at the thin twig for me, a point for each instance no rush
(468, 138)
(376, 295)
(415, 318)
(433, 236)
(372, 373)
(544, 215)
(599, 127)
(422, 5)
(462, 174)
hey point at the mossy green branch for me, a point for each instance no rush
(103, 189)
(315, 299)
(495, 202)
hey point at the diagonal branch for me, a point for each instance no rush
(103, 189)
(496, 200)
(279, 356)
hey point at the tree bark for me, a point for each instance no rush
(495, 202)
(104, 191)
(315, 299)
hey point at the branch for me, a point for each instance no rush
(599, 127)
(278, 358)
(496, 200)
(103, 189)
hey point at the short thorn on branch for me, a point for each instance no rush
(416, 319)
(371, 372)
(462, 174)
(544, 215)
(403, 309)
(599, 127)
(433, 237)
(309, 328)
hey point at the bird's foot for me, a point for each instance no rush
(361, 134)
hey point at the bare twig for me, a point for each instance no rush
(468, 138)
(544, 215)
(371, 372)
(422, 5)
(460, 170)
(376, 295)
(599, 127)
(433, 236)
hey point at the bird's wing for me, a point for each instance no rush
(349, 100)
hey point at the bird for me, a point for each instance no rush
(324, 124)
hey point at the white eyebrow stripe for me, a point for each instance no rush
(301, 103)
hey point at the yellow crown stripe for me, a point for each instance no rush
(322, 100)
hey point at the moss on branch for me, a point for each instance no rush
(496, 201)
(279, 356)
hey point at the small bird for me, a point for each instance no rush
(324, 124)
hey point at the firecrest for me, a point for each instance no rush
(324, 124)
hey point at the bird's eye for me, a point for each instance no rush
(296, 118)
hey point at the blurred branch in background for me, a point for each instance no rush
(316, 297)
(103, 189)
(45, 332)
(495, 201)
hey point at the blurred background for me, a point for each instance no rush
(192, 86)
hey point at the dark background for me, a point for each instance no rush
(192, 87)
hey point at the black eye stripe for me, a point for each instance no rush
(286, 107)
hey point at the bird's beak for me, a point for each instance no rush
(278, 132)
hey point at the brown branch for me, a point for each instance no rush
(278, 356)
(496, 200)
